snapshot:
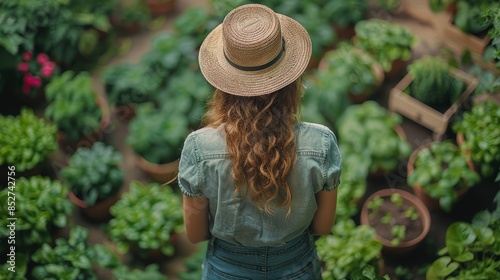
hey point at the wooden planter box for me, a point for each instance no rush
(459, 41)
(423, 114)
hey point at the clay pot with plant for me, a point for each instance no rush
(400, 219)
(94, 177)
(440, 173)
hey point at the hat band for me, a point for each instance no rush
(260, 67)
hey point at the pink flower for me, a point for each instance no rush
(49, 64)
(36, 81)
(23, 67)
(46, 71)
(27, 56)
(26, 88)
(42, 58)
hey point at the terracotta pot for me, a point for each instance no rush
(432, 203)
(87, 140)
(397, 70)
(362, 97)
(344, 32)
(163, 173)
(405, 246)
(161, 7)
(98, 212)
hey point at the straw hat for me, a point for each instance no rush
(255, 51)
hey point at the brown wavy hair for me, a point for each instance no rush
(260, 139)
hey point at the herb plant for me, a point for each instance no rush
(71, 258)
(441, 169)
(150, 272)
(41, 206)
(347, 12)
(347, 249)
(479, 126)
(145, 218)
(386, 41)
(26, 140)
(433, 82)
(472, 250)
(94, 174)
(367, 129)
(73, 104)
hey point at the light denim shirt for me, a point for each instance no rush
(205, 169)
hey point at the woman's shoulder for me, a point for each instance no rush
(306, 127)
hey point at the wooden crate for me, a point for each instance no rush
(423, 114)
(458, 41)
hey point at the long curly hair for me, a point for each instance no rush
(260, 139)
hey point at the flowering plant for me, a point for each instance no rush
(36, 72)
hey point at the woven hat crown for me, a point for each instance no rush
(252, 36)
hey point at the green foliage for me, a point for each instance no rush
(389, 5)
(490, 16)
(368, 130)
(150, 272)
(72, 258)
(349, 248)
(128, 83)
(386, 41)
(353, 185)
(158, 135)
(348, 70)
(346, 12)
(482, 136)
(367, 272)
(472, 249)
(488, 82)
(73, 104)
(433, 82)
(146, 217)
(441, 169)
(41, 205)
(132, 11)
(467, 17)
(439, 5)
(94, 174)
(196, 22)
(26, 140)
(193, 264)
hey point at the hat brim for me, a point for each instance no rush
(291, 65)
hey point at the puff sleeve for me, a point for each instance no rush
(333, 163)
(188, 178)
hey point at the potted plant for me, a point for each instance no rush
(77, 110)
(440, 173)
(365, 75)
(478, 136)
(145, 220)
(72, 258)
(41, 208)
(348, 248)
(390, 43)
(193, 264)
(345, 15)
(368, 129)
(128, 84)
(95, 177)
(150, 272)
(27, 141)
(196, 23)
(156, 137)
(400, 219)
(431, 93)
(130, 16)
(471, 250)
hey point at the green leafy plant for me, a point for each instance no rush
(368, 129)
(472, 250)
(349, 248)
(389, 5)
(150, 272)
(433, 82)
(441, 169)
(490, 16)
(72, 258)
(196, 22)
(41, 206)
(193, 264)
(367, 272)
(94, 174)
(347, 12)
(440, 5)
(349, 70)
(467, 17)
(479, 126)
(157, 135)
(26, 140)
(73, 104)
(145, 218)
(130, 83)
(134, 11)
(386, 41)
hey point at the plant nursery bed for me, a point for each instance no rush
(435, 120)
